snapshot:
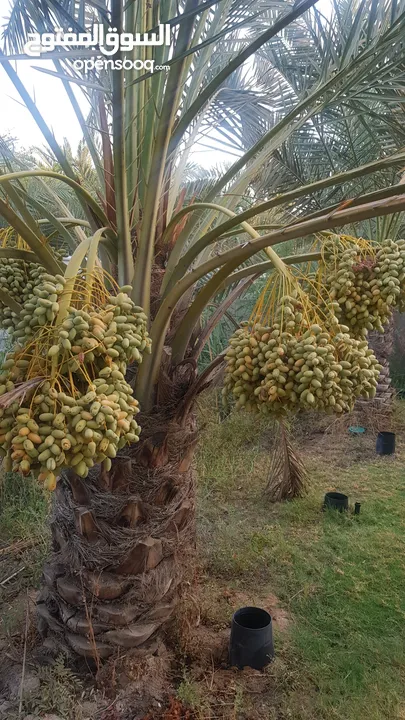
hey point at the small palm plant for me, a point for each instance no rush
(110, 267)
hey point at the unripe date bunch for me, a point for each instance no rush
(55, 429)
(367, 289)
(83, 411)
(19, 280)
(291, 365)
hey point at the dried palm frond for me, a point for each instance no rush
(287, 477)
(19, 392)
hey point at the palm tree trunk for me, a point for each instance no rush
(122, 543)
(383, 345)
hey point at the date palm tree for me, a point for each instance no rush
(123, 539)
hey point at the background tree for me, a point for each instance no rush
(366, 124)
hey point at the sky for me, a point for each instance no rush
(49, 96)
(51, 100)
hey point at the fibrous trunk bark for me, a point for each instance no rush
(287, 477)
(383, 345)
(122, 545)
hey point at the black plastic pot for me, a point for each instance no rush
(251, 641)
(385, 443)
(336, 501)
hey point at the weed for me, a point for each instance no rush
(58, 692)
(238, 702)
(189, 694)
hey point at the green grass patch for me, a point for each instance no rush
(341, 577)
(24, 508)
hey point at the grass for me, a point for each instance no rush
(24, 508)
(340, 578)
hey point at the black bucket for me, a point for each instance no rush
(251, 641)
(385, 443)
(336, 501)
